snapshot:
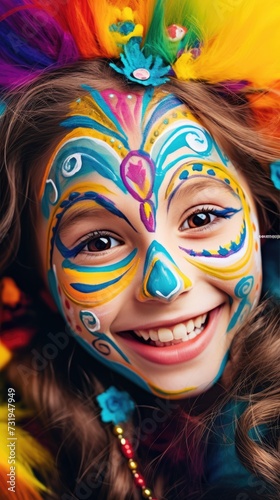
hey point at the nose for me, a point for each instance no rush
(162, 279)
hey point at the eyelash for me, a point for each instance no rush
(88, 238)
(220, 214)
(225, 213)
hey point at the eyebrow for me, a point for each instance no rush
(67, 219)
(72, 218)
(194, 188)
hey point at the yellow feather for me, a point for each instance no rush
(29, 455)
(5, 355)
(138, 12)
(240, 41)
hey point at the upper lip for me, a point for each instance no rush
(169, 323)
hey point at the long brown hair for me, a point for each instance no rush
(64, 391)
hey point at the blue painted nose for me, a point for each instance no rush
(162, 278)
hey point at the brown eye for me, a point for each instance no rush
(198, 219)
(101, 243)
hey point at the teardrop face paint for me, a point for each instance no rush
(149, 236)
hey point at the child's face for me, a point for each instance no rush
(150, 240)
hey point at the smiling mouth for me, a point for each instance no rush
(173, 344)
(171, 335)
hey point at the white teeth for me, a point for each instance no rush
(190, 326)
(179, 331)
(165, 335)
(144, 334)
(198, 322)
(182, 332)
(153, 335)
(192, 335)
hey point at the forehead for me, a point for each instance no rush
(131, 139)
(116, 123)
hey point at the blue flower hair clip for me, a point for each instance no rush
(116, 406)
(275, 173)
(140, 69)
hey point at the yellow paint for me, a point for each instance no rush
(83, 187)
(173, 116)
(100, 297)
(77, 133)
(238, 269)
(171, 394)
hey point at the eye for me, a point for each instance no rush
(198, 219)
(100, 243)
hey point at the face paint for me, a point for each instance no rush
(149, 235)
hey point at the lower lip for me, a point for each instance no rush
(180, 353)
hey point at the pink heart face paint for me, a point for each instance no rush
(150, 240)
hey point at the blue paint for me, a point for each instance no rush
(163, 281)
(73, 195)
(94, 157)
(97, 97)
(197, 167)
(88, 319)
(222, 368)
(52, 282)
(211, 172)
(233, 246)
(84, 288)
(85, 122)
(227, 181)
(184, 175)
(64, 204)
(67, 264)
(100, 200)
(147, 97)
(112, 365)
(164, 106)
(185, 136)
(223, 251)
(49, 192)
(242, 291)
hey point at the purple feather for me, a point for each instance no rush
(31, 41)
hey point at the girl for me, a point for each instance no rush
(139, 148)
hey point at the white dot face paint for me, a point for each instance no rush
(150, 239)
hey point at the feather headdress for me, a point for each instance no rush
(232, 44)
(211, 40)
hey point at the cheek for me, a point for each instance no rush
(235, 258)
(88, 315)
(95, 286)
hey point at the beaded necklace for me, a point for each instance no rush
(116, 408)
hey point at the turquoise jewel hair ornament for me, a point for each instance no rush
(139, 68)
(275, 173)
(116, 406)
